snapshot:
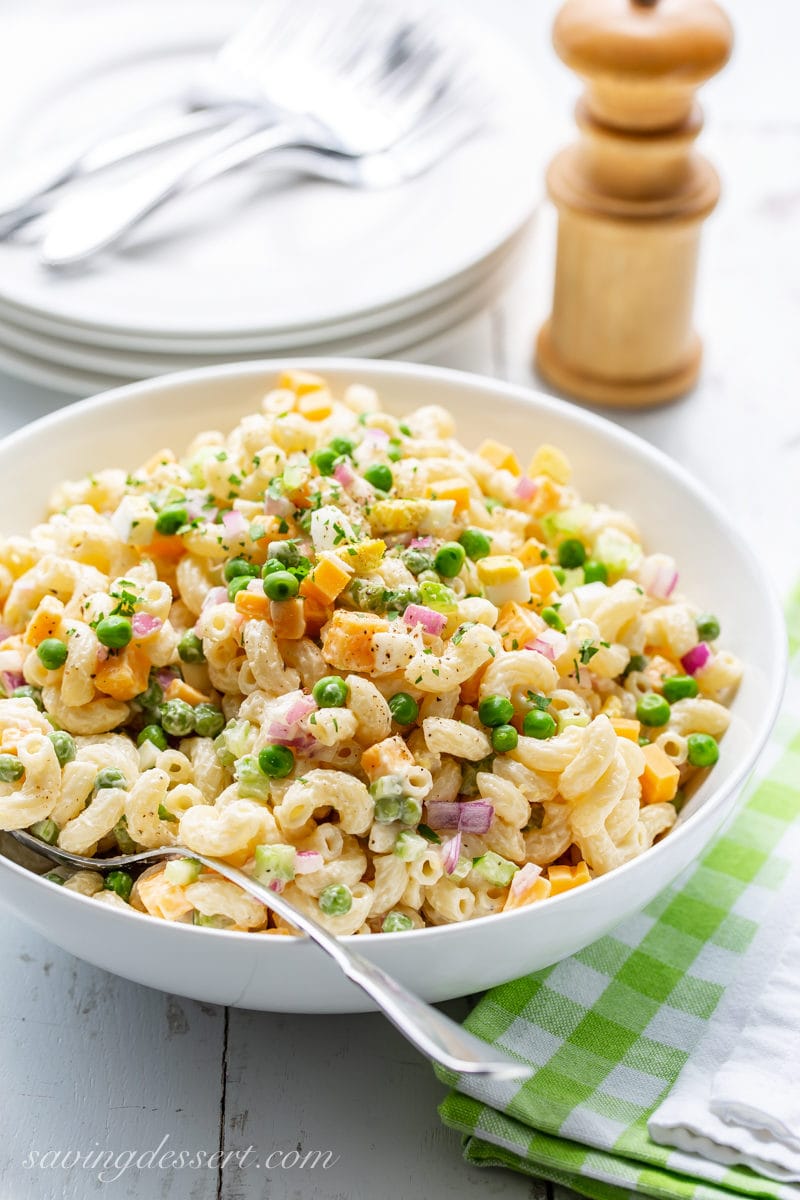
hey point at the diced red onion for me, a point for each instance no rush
(431, 621)
(344, 474)
(550, 643)
(234, 522)
(469, 816)
(444, 814)
(276, 885)
(696, 658)
(5, 632)
(143, 625)
(451, 851)
(300, 708)
(423, 543)
(306, 861)
(11, 680)
(658, 576)
(256, 586)
(215, 596)
(166, 677)
(523, 878)
(476, 816)
(526, 488)
(278, 506)
(375, 435)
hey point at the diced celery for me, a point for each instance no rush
(274, 862)
(252, 783)
(182, 871)
(573, 578)
(410, 846)
(567, 521)
(213, 921)
(616, 551)
(233, 742)
(570, 716)
(46, 831)
(495, 869)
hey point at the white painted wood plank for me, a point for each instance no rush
(353, 1086)
(92, 1063)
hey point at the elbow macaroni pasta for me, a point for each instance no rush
(355, 658)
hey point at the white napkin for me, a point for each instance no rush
(737, 1100)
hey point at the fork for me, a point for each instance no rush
(445, 128)
(235, 79)
(434, 1034)
(360, 102)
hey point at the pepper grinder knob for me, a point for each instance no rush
(631, 196)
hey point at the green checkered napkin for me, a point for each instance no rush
(610, 1029)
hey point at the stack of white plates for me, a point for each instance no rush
(257, 264)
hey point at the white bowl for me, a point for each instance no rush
(124, 426)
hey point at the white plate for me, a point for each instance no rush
(58, 344)
(420, 343)
(288, 974)
(287, 257)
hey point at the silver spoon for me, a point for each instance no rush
(433, 1033)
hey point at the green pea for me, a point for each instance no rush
(110, 777)
(679, 687)
(330, 692)
(595, 572)
(64, 746)
(154, 734)
(701, 750)
(336, 899)
(11, 769)
(396, 922)
(495, 710)
(571, 553)
(208, 720)
(342, 446)
(276, 761)
(538, 724)
(120, 882)
(707, 627)
(114, 632)
(237, 567)
(164, 814)
(387, 809)
(636, 662)
(239, 584)
(281, 585)
(287, 553)
(410, 810)
(504, 738)
(397, 600)
(177, 718)
(171, 517)
(417, 560)
(380, 476)
(324, 461)
(404, 708)
(652, 709)
(152, 696)
(190, 648)
(476, 544)
(52, 653)
(46, 831)
(449, 559)
(54, 877)
(550, 617)
(27, 692)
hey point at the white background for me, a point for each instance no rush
(90, 1061)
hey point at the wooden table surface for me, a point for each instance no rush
(89, 1062)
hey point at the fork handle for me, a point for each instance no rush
(25, 193)
(82, 225)
(431, 1031)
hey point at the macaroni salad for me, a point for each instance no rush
(402, 682)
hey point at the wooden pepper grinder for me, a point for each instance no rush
(631, 197)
